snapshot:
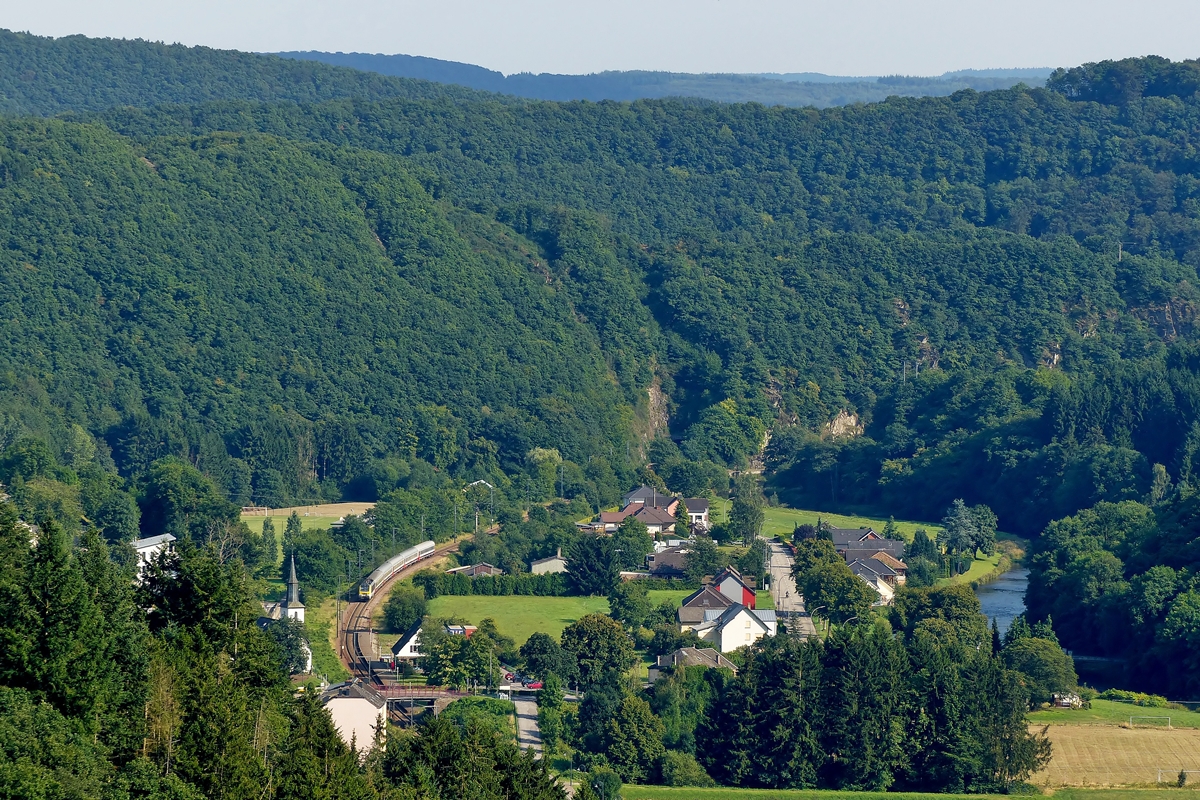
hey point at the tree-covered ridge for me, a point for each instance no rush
(43, 76)
(304, 306)
(821, 91)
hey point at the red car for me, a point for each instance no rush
(533, 685)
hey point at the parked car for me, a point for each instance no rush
(533, 684)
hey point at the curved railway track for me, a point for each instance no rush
(355, 640)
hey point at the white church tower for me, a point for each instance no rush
(292, 608)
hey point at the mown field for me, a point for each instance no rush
(1073, 793)
(1109, 712)
(1109, 755)
(779, 520)
(311, 517)
(521, 616)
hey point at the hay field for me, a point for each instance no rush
(1108, 755)
(311, 517)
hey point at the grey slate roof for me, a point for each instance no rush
(153, 541)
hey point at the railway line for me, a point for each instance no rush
(355, 639)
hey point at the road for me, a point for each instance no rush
(528, 735)
(783, 588)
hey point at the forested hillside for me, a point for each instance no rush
(41, 75)
(821, 91)
(1031, 256)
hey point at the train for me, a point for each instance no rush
(366, 589)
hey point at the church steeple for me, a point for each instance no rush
(292, 607)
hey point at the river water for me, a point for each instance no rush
(1004, 598)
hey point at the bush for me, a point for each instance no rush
(682, 769)
(1136, 698)
(404, 608)
(437, 583)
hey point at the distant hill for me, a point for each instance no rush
(42, 75)
(786, 89)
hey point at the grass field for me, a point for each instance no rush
(519, 616)
(780, 520)
(318, 621)
(1109, 712)
(630, 792)
(1107, 755)
(311, 517)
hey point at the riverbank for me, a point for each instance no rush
(1010, 552)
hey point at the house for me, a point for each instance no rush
(670, 563)
(150, 547)
(843, 537)
(736, 626)
(357, 711)
(408, 646)
(874, 572)
(657, 520)
(868, 549)
(650, 497)
(555, 563)
(691, 657)
(460, 630)
(691, 611)
(475, 570)
(697, 510)
(895, 565)
(611, 520)
(730, 583)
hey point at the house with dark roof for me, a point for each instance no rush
(868, 548)
(657, 520)
(651, 497)
(730, 583)
(475, 570)
(878, 576)
(611, 520)
(357, 711)
(408, 646)
(691, 657)
(697, 510)
(670, 563)
(691, 611)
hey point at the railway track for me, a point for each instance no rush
(356, 631)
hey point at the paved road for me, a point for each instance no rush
(528, 735)
(783, 588)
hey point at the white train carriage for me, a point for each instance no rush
(406, 558)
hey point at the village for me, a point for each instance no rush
(716, 616)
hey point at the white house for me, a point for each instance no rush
(878, 576)
(150, 547)
(736, 626)
(697, 510)
(555, 563)
(408, 646)
(357, 710)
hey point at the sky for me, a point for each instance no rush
(838, 37)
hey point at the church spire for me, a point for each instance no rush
(293, 587)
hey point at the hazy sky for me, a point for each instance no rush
(845, 37)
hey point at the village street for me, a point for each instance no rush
(788, 602)
(528, 735)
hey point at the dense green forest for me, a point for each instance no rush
(351, 286)
(41, 75)
(796, 89)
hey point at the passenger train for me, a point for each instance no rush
(387, 569)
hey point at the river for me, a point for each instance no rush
(1004, 598)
